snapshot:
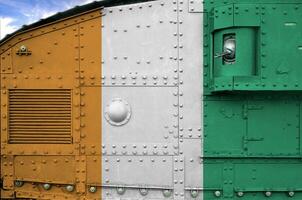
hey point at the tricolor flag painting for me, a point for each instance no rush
(151, 99)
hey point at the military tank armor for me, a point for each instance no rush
(163, 99)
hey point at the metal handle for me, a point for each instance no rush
(225, 53)
(229, 50)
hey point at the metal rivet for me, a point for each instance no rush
(143, 191)
(217, 193)
(92, 189)
(46, 186)
(69, 188)
(291, 193)
(194, 193)
(268, 194)
(240, 194)
(120, 190)
(167, 193)
(19, 183)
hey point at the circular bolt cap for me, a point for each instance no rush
(92, 189)
(217, 193)
(69, 188)
(240, 194)
(194, 193)
(167, 193)
(268, 194)
(19, 183)
(291, 193)
(118, 112)
(143, 191)
(120, 190)
(46, 186)
(23, 48)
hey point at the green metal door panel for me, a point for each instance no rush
(281, 59)
(225, 128)
(273, 128)
(247, 15)
(223, 17)
(268, 176)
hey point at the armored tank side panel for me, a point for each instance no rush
(152, 67)
(168, 99)
(104, 105)
(43, 153)
(252, 100)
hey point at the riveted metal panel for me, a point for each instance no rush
(6, 62)
(140, 44)
(90, 50)
(190, 98)
(153, 125)
(192, 149)
(45, 168)
(190, 73)
(137, 172)
(134, 194)
(195, 6)
(178, 177)
(252, 139)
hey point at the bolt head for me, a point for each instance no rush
(23, 48)
(291, 193)
(69, 188)
(217, 193)
(120, 190)
(194, 193)
(19, 183)
(167, 193)
(240, 194)
(268, 194)
(143, 191)
(92, 189)
(46, 186)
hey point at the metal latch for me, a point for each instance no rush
(229, 50)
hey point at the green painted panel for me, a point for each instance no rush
(251, 179)
(273, 128)
(223, 17)
(270, 34)
(225, 128)
(278, 176)
(247, 15)
(281, 52)
(245, 64)
(252, 107)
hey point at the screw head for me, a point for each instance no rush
(143, 191)
(240, 194)
(23, 48)
(291, 193)
(167, 193)
(19, 183)
(92, 189)
(217, 193)
(268, 193)
(69, 188)
(46, 186)
(194, 193)
(120, 190)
